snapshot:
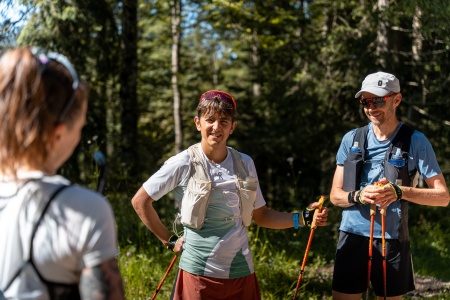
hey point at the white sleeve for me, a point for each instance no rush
(173, 173)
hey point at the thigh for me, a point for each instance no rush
(351, 261)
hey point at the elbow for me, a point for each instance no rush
(134, 202)
(333, 198)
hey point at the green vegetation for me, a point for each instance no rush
(277, 255)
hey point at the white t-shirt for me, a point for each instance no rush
(78, 231)
(220, 248)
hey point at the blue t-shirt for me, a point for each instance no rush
(356, 219)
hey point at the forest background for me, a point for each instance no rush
(292, 65)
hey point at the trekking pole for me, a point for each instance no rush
(311, 234)
(103, 164)
(383, 240)
(174, 259)
(383, 248)
(373, 208)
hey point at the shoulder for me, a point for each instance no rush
(180, 159)
(419, 140)
(349, 136)
(83, 201)
(245, 157)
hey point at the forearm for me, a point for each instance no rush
(339, 197)
(268, 218)
(143, 205)
(426, 196)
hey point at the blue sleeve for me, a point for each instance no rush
(345, 146)
(423, 156)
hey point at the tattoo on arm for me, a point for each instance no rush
(102, 282)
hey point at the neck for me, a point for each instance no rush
(385, 131)
(215, 154)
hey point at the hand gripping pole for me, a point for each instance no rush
(311, 234)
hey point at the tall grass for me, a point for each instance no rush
(277, 254)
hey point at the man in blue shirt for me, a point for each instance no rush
(380, 96)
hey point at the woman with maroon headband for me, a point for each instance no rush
(218, 190)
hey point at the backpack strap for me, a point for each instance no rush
(402, 139)
(55, 193)
(198, 168)
(240, 169)
(361, 138)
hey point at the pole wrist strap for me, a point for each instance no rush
(295, 219)
(172, 242)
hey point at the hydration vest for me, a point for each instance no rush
(353, 167)
(28, 272)
(196, 196)
(353, 163)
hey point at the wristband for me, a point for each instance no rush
(172, 242)
(397, 190)
(307, 216)
(358, 198)
(295, 219)
(351, 197)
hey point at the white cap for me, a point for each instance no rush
(379, 84)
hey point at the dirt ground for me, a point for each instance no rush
(427, 287)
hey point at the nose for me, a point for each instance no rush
(216, 125)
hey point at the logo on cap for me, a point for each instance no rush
(380, 82)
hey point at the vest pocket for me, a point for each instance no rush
(352, 172)
(393, 172)
(195, 202)
(247, 194)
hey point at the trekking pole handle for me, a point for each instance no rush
(381, 183)
(316, 211)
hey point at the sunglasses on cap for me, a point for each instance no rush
(44, 59)
(377, 102)
(225, 97)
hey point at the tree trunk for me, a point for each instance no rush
(417, 49)
(382, 39)
(128, 84)
(176, 16)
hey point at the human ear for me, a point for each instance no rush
(197, 123)
(398, 99)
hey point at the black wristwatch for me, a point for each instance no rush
(351, 197)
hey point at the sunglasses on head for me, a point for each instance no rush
(44, 58)
(225, 97)
(377, 102)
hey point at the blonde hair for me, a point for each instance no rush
(31, 98)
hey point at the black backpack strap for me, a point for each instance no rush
(402, 139)
(55, 193)
(361, 138)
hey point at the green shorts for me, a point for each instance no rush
(351, 266)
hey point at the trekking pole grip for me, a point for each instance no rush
(317, 210)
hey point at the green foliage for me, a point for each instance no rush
(294, 68)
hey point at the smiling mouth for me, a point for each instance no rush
(215, 134)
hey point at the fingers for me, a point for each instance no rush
(179, 245)
(322, 217)
(382, 195)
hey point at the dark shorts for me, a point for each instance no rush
(351, 266)
(194, 287)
